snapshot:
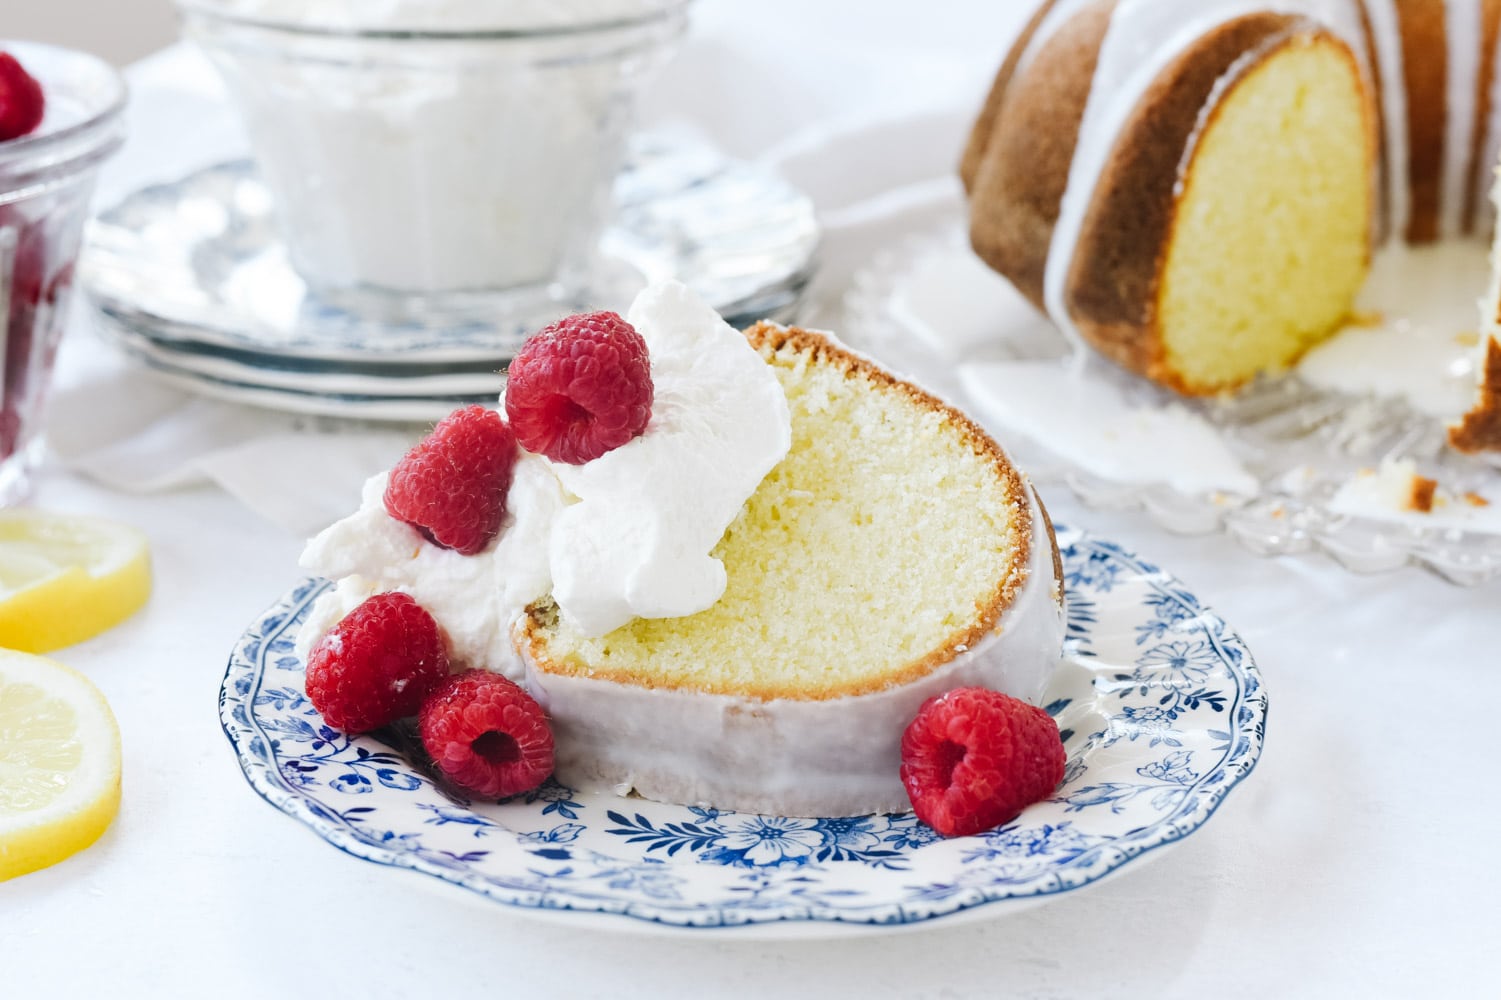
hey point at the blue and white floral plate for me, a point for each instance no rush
(1160, 704)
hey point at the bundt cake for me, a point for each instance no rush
(894, 554)
(1194, 187)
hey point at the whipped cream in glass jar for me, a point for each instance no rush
(431, 153)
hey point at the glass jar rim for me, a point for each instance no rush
(660, 11)
(41, 143)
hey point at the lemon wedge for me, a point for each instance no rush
(65, 578)
(59, 763)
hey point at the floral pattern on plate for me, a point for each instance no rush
(1160, 705)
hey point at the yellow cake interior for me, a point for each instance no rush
(881, 539)
(1272, 236)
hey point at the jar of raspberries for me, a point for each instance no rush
(60, 118)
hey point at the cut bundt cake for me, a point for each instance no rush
(1194, 188)
(893, 554)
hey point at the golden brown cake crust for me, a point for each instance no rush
(1382, 224)
(1423, 30)
(1423, 492)
(1020, 179)
(979, 136)
(769, 338)
(1480, 429)
(1060, 592)
(1113, 285)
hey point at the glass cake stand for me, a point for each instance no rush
(1280, 467)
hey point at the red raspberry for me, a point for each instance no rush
(974, 759)
(580, 388)
(487, 735)
(21, 99)
(377, 665)
(10, 429)
(452, 485)
(24, 365)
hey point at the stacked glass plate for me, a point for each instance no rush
(191, 278)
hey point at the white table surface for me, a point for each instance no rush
(1354, 861)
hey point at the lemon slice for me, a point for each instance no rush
(65, 578)
(59, 763)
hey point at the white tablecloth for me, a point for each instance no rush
(1354, 861)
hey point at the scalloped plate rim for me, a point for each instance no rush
(1167, 831)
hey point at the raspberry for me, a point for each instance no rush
(974, 759)
(25, 362)
(580, 388)
(21, 99)
(31, 262)
(487, 735)
(10, 429)
(452, 485)
(377, 665)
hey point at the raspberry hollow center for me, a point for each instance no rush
(496, 747)
(950, 756)
(562, 411)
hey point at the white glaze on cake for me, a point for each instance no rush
(1414, 339)
(1414, 332)
(789, 757)
(1386, 39)
(1090, 424)
(1461, 23)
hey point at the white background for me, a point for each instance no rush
(118, 30)
(1357, 860)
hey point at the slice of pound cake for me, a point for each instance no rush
(727, 568)
(893, 554)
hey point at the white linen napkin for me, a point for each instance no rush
(124, 430)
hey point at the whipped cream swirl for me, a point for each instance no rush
(627, 535)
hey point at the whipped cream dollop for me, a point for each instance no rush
(637, 542)
(627, 535)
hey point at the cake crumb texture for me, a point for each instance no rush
(1272, 235)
